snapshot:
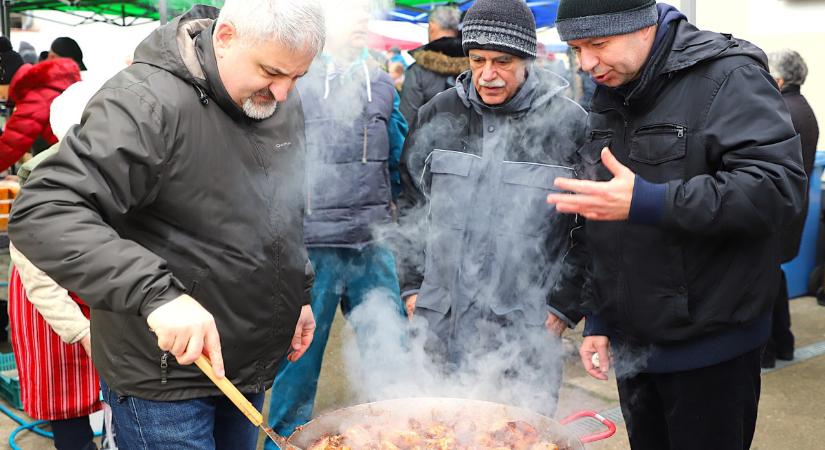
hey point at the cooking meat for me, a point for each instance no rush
(458, 434)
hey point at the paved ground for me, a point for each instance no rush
(790, 408)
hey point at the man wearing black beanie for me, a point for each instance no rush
(695, 167)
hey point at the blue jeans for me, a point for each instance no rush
(212, 423)
(349, 277)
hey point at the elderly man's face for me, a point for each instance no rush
(497, 76)
(614, 60)
(257, 77)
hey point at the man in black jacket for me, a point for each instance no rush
(437, 64)
(175, 211)
(695, 168)
(790, 71)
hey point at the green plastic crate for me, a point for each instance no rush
(9, 382)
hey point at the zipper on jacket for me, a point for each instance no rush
(663, 128)
(364, 153)
(201, 95)
(600, 134)
(164, 367)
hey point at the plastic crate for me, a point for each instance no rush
(9, 382)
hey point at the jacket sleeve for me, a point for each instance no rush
(64, 219)
(573, 291)
(760, 183)
(412, 95)
(26, 123)
(411, 241)
(397, 129)
(53, 302)
(309, 280)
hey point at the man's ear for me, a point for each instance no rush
(225, 35)
(649, 32)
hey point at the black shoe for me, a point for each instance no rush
(768, 359)
(820, 297)
(785, 356)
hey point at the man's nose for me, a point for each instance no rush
(280, 89)
(489, 73)
(587, 60)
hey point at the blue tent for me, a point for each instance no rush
(417, 10)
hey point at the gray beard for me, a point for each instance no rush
(259, 111)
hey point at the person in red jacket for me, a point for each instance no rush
(32, 90)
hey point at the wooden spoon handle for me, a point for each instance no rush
(230, 391)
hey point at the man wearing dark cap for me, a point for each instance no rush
(695, 167)
(498, 267)
(67, 47)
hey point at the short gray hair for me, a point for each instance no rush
(788, 65)
(446, 17)
(298, 24)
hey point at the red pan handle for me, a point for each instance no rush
(611, 427)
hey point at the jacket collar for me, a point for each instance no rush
(217, 91)
(685, 47)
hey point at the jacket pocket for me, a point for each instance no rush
(433, 297)
(451, 188)
(193, 279)
(590, 154)
(523, 207)
(658, 143)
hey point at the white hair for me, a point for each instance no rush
(788, 65)
(446, 17)
(298, 24)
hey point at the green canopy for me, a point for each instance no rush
(123, 13)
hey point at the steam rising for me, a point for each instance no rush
(512, 361)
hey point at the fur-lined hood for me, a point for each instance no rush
(443, 56)
(441, 63)
(55, 74)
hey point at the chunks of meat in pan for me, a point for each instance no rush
(460, 434)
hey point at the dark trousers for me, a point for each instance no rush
(73, 434)
(712, 408)
(782, 341)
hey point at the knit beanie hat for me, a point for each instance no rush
(502, 25)
(582, 19)
(68, 48)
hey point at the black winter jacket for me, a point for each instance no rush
(168, 188)
(804, 121)
(719, 174)
(436, 67)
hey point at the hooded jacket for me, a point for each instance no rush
(32, 90)
(695, 269)
(436, 67)
(482, 174)
(167, 188)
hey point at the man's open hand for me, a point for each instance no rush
(597, 200)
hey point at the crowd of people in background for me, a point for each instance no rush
(487, 192)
